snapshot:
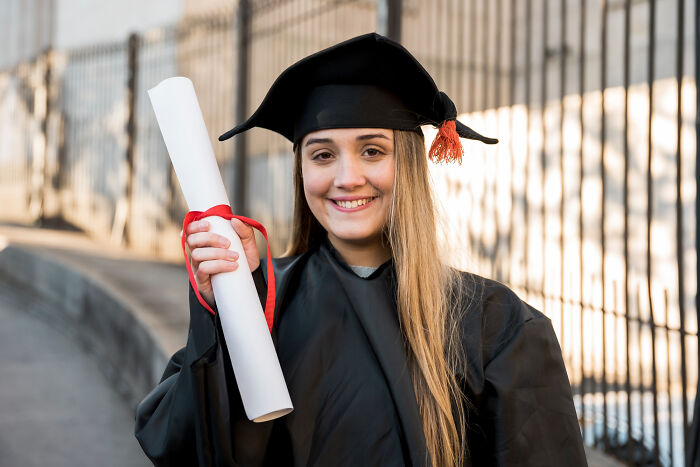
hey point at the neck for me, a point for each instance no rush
(370, 254)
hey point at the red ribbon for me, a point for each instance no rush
(224, 210)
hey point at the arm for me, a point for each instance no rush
(195, 415)
(526, 414)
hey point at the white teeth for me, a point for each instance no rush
(354, 203)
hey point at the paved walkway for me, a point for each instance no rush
(158, 288)
(56, 407)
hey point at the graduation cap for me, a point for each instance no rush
(369, 81)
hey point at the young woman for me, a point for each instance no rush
(390, 356)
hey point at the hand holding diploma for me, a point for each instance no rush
(247, 333)
(210, 255)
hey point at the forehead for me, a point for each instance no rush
(347, 134)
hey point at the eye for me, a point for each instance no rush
(322, 156)
(373, 152)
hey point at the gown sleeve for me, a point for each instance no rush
(195, 415)
(525, 414)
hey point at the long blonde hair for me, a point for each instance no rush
(427, 302)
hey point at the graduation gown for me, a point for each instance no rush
(342, 353)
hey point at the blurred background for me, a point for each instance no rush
(587, 207)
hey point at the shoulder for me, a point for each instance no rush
(285, 269)
(516, 382)
(283, 265)
(492, 314)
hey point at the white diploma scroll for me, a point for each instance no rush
(253, 357)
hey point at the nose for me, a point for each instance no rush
(349, 173)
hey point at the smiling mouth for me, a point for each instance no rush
(354, 203)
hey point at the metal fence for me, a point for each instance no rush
(587, 207)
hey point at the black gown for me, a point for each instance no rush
(342, 354)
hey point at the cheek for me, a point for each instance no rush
(384, 179)
(316, 183)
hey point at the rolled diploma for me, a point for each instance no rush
(256, 366)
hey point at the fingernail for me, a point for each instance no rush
(232, 254)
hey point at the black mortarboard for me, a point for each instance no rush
(369, 81)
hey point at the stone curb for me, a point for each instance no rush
(105, 321)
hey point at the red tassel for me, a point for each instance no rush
(447, 147)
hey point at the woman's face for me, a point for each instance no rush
(348, 176)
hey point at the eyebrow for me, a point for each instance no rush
(372, 136)
(359, 138)
(318, 140)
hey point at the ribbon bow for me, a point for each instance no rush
(224, 211)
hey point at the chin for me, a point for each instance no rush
(355, 236)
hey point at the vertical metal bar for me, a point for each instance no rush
(582, 90)
(511, 103)
(497, 68)
(481, 103)
(102, 64)
(669, 405)
(395, 8)
(543, 150)
(130, 133)
(92, 166)
(486, 103)
(496, 54)
(692, 437)
(650, 214)
(680, 49)
(615, 372)
(472, 45)
(48, 54)
(37, 153)
(461, 57)
(654, 383)
(7, 36)
(22, 31)
(626, 151)
(61, 162)
(603, 85)
(64, 159)
(75, 179)
(242, 90)
(642, 418)
(473, 106)
(35, 15)
(562, 200)
(486, 54)
(482, 26)
(28, 75)
(528, 104)
(618, 409)
(451, 69)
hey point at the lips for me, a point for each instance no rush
(354, 204)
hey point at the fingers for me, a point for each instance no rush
(207, 254)
(243, 230)
(204, 239)
(197, 226)
(208, 268)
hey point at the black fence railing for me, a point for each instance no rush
(588, 207)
